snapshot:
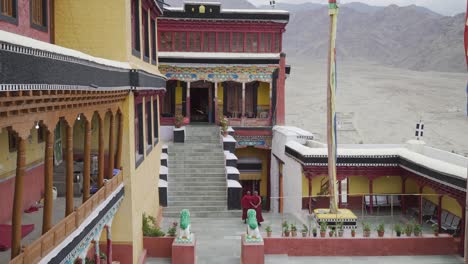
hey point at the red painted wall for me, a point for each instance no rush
(24, 23)
(33, 190)
(387, 246)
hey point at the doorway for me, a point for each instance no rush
(199, 108)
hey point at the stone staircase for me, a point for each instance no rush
(197, 177)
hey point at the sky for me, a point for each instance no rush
(445, 7)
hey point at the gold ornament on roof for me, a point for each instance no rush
(201, 9)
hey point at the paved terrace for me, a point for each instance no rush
(218, 241)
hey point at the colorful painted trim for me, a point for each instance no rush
(253, 141)
(219, 73)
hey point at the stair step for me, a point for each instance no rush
(197, 165)
(197, 170)
(196, 208)
(196, 184)
(202, 214)
(193, 189)
(189, 204)
(198, 193)
(207, 180)
(197, 198)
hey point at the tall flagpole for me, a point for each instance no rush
(331, 115)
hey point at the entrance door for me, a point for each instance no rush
(199, 105)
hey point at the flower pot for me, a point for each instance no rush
(381, 233)
(294, 233)
(314, 234)
(304, 234)
(179, 135)
(323, 234)
(330, 233)
(340, 233)
(225, 133)
(366, 233)
(417, 233)
(436, 233)
(269, 234)
(408, 234)
(398, 234)
(286, 233)
(353, 233)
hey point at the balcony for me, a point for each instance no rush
(72, 235)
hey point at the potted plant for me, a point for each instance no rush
(408, 229)
(314, 232)
(381, 230)
(417, 229)
(172, 230)
(331, 233)
(340, 227)
(353, 232)
(435, 229)
(293, 230)
(286, 229)
(323, 229)
(366, 228)
(397, 229)
(179, 132)
(268, 230)
(304, 230)
(224, 123)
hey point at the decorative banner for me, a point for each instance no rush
(219, 73)
(253, 141)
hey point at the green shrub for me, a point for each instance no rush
(150, 229)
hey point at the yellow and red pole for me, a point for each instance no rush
(331, 113)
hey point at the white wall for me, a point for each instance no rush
(167, 133)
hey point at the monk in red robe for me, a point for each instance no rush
(256, 202)
(245, 203)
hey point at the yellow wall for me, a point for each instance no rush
(98, 28)
(141, 192)
(387, 184)
(317, 184)
(78, 134)
(263, 97)
(451, 205)
(411, 186)
(262, 155)
(358, 185)
(34, 153)
(305, 186)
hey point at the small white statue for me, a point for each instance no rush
(253, 234)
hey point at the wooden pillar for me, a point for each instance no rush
(118, 158)
(187, 101)
(271, 102)
(339, 195)
(87, 160)
(48, 181)
(280, 91)
(463, 237)
(371, 197)
(403, 196)
(18, 198)
(243, 104)
(309, 179)
(101, 152)
(439, 213)
(420, 204)
(111, 154)
(109, 244)
(69, 170)
(216, 121)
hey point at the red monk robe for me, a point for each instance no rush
(245, 203)
(256, 202)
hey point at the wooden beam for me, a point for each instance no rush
(69, 170)
(87, 160)
(48, 180)
(18, 199)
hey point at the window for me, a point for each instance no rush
(144, 21)
(232, 99)
(153, 40)
(165, 42)
(195, 41)
(180, 41)
(12, 141)
(149, 127)
(8, 11)
(139, 138)
(168, 100)
(224, 42)
(277, 47)
(39, 14)
(155, 120)
(265, 42)
(252, 42)
(209, 41)
(136, 25)
(237, 42)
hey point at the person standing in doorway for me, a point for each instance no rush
(256, 202)
(246, 205)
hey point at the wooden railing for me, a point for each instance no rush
(34, 252)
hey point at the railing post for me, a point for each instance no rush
(69, 170)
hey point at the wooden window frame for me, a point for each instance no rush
(148, 120)
(154, 50)
(13, 19)
(139, 134)
(136, 34)
(155, 121)
(44, 25)
(146, 36)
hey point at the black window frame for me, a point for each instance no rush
(44, 27)
(153, 41)
(155, 121)
(140, 138)
(136, 42)
(146, 37)
(10, 19)
(149, 125)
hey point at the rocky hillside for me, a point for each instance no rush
(225, 3)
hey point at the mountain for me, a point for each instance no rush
(294, 7)
(409, 37)
(237, 4)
